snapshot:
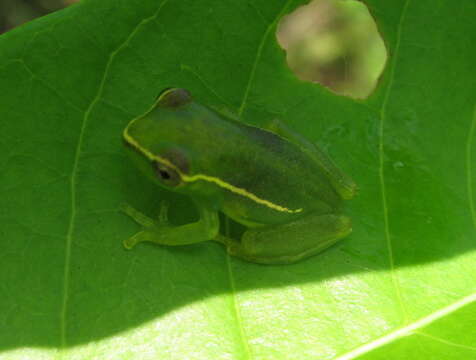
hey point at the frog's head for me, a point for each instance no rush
(153, 140)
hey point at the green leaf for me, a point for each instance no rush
(71, 81)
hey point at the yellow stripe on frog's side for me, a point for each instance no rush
(215, 180)
(237, 190)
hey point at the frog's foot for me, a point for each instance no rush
(232, 246)
(235, 248)
(151, 227)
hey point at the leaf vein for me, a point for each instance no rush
(236, 310)
(74, 172)
(258, 56)
(383, 116)
(446, 342)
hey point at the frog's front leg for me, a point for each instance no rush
(161, 232)
(291, 242)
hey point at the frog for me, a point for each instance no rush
(284, 190)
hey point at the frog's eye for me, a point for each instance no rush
(167, 175)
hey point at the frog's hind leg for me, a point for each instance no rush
(289, 243)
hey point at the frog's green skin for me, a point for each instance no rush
(276, 183)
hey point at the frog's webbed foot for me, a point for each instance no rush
(151, 227)
(233, 247)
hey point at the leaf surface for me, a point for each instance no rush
(70, 83)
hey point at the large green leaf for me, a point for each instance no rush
(71, 81)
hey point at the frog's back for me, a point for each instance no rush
(273, 179)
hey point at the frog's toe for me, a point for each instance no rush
(136, 215)
(132, 241)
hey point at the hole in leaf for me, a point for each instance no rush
(335, 43)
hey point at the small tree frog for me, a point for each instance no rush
(275, 182)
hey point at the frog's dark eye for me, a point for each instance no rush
(167, 175)
(164, 174)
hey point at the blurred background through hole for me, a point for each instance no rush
(16, 12)
(334, 43)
